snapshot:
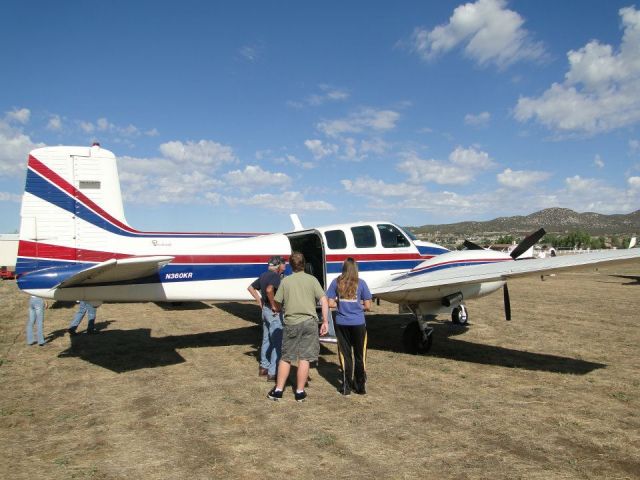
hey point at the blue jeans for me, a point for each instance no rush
(36, 315)
(271, 340)
(90, 310)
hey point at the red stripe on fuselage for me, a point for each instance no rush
(56, 252)
(466, 260)
(370, 257)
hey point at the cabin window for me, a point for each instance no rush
(392, 237)
(363, 236)
(336, 240)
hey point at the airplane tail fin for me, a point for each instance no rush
(71, 207)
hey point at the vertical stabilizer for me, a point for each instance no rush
(72, 197)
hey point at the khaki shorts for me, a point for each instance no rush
(301, 341)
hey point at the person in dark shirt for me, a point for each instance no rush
(267, 284)
(351, 296)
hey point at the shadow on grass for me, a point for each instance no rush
(170, 306)
(127, 350)
(249, 312)
(385, 333)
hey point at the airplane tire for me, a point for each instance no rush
(460, 315)
(414, 340)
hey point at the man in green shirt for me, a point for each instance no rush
(298, 294)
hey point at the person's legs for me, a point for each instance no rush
(344, 355)
(91, 317)
(78, 316)
(264, 350)
(31, 321)
(275, 343)
(359, 338)
(40, 321)
(284, 368)
(302, 375)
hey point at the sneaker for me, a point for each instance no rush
(300, 397)
(344, 392)
(274, 395)
(72, 332)
(41, 344)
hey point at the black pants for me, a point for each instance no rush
(352, 351)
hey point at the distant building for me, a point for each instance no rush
(8, 250)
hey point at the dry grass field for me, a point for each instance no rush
(172, 393)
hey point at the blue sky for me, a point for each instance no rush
(228, 116)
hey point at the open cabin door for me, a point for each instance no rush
(311, 245)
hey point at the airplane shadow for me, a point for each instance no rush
(385, 333)
(249, 312)
(127, 350)
(182, 305)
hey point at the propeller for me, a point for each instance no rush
(522, 247)
(527, 243)
(469, 245)
(507, 302)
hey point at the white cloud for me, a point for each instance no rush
(422, 171)
(184, 173)
(287, 201)
(327, 93)
(21, 116)
(464, 164)
(14, 145)
(204, 152)
(634, 182)
(293, 160)
(54, 123)
(369, 186)
(521, 178)
(489, 32)
(597, 161)
(254, 177)
(471, 158)
(86, 127)
(480, 120)
(364, 120)
(601, 90)
(251, 53)
(319, 149)
(634, 146)
(10, 197)
(103, 126)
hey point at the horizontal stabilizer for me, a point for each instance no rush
(116, 271)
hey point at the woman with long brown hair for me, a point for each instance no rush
(350, 295)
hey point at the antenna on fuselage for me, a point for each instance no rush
(297, 224)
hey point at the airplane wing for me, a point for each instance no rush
(116, 270)
(415, 285)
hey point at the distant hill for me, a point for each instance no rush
(553, 220)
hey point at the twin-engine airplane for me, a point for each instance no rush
(75, 244)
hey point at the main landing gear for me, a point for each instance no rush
(418, 335)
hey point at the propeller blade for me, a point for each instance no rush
(469, 245)
(527, 243)
(507, 302)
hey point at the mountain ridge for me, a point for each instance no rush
(553, 220)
